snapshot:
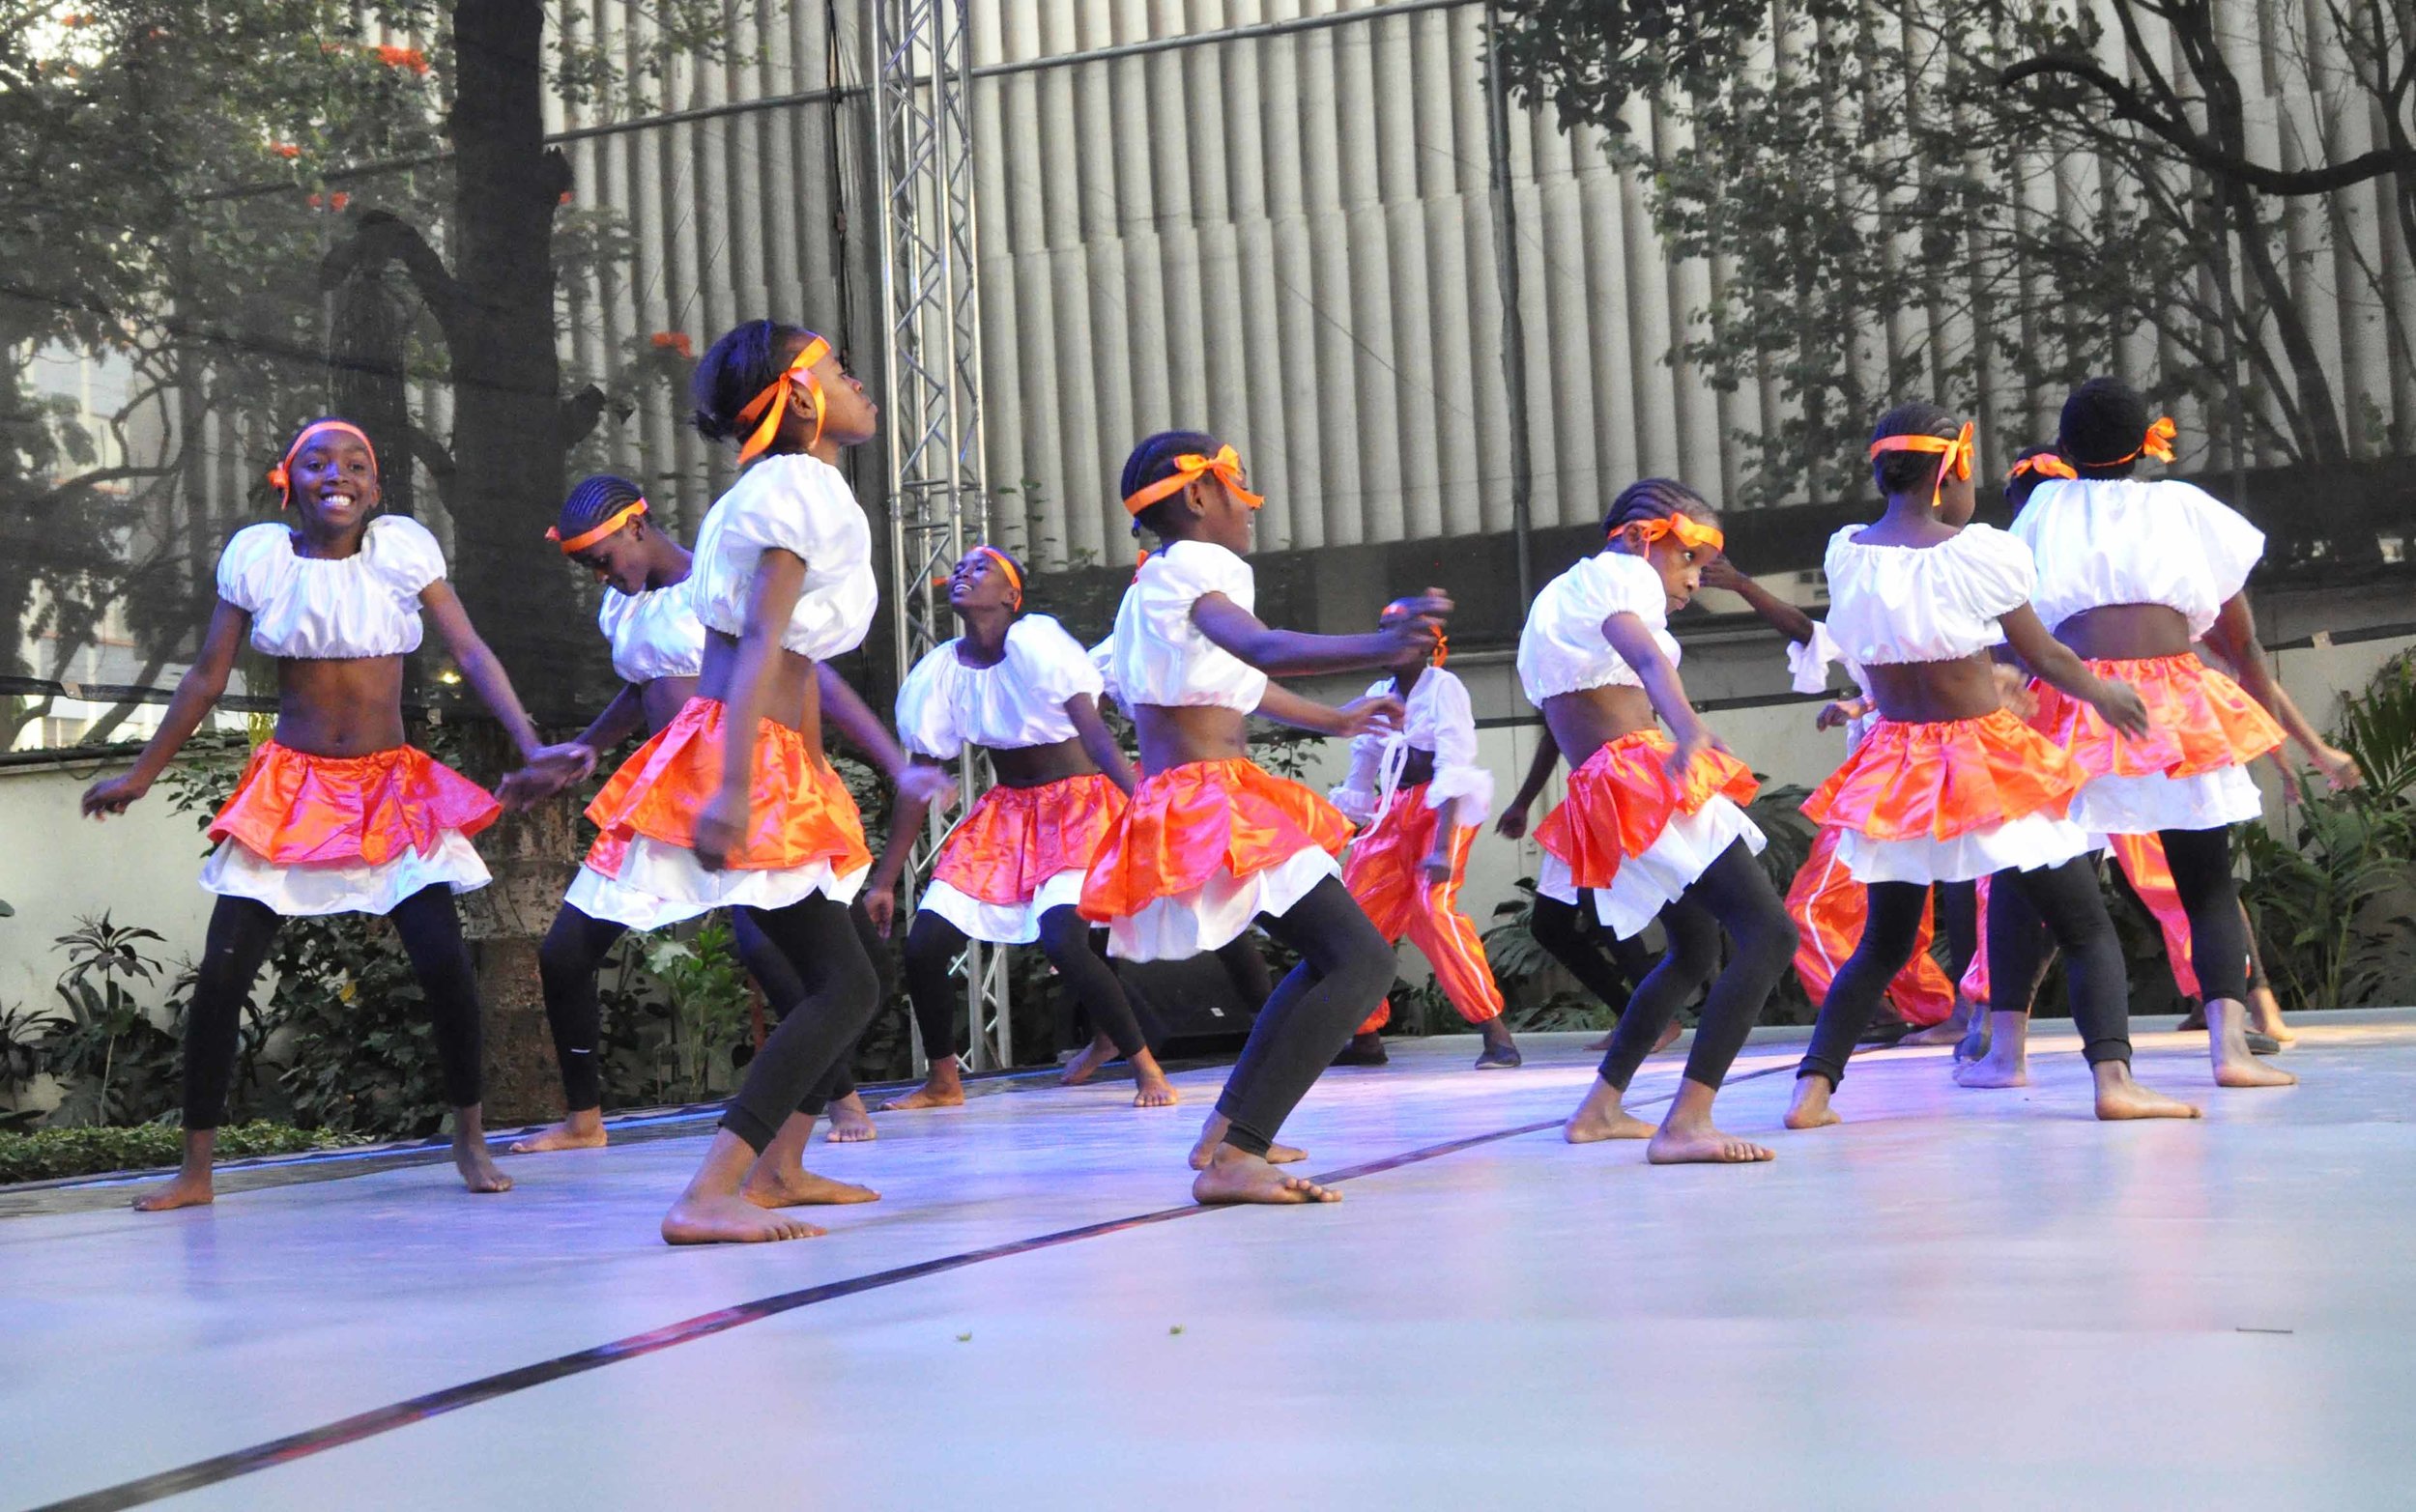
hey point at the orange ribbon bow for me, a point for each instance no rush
(1190, 466)
(2045, 464)
(1691, 532)
(773, 402)
(1955, 454)
(589, 537)
(281, 478)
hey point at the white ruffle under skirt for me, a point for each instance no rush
(663, 884)
(306, 890)
(1648, 883)
(1217, 911)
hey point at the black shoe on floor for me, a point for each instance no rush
(1362, 1050)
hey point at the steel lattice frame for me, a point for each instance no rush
(922, 116)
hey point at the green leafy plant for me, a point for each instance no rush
(116, 1065)
(2335, 907)
(707, 1023)
(49, 1153)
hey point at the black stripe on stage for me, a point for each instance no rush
(419, 1409)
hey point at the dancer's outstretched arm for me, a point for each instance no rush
(1512, 824)
(1291, 653)
(195, 692)
(1100, 742)
(2055, 662)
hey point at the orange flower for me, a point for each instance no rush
(334, 202)
(674, 341)
(411, 58)
(286, 149)
(565, 199)
(73, 18)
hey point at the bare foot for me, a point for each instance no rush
(187, 1189)
(850, 1124)
(2194, 1021)
(700, 1218)
(936, 1092)
(1601, 1117)
(2226, 1045)
(1809, 1109)
(2265, 1015)
(1599, 1046)
(1084, 1067)
(2118, 1096)
(801, 1189)
(2007, 1063)
(1669, 1037)
(1701, 1144)
(471, 1157)
(1687, 1136)
(1231, 1175)
(1364, 1049)
(580, 1130)
(1212, 1139)
(1949, 1030)
(1151, 1090)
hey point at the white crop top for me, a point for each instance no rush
(1562, 648)
(802, 507)
(1439, 720)
(332, 608)
(653, 634)
(2102, 541)
(1157, 655)
(1890, 604)
(945, 705)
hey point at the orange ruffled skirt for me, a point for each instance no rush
(1951, 800)
(1020, 853)
(1638, 837)
(1202, 849)
(804, 835)
(318, 835)
(2187, 772)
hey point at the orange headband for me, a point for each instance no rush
(2045, 464)
(1691, 534)
(1956, 454)
(281, 479)
(773, 402)
(586, 538)
(1006, 564)
(2157, 443)
(1442, 647)
(1188, 469)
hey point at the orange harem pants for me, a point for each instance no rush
(2142, 858)
(1387, 874)
(1828, 907)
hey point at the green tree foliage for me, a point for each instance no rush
(1962, 201)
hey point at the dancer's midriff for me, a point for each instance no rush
(2126, 632)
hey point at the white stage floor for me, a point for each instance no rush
(1976, 1299)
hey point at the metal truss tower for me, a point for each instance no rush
(921, 87)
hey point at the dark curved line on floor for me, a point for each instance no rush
(452, 1399)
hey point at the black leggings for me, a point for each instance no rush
(933, 949)
(840, 992)
(2219, 946)
(1602, 963)
(1959, 913)
(573, 952)
(1344, 966)
(241, 932)
(1733, 894)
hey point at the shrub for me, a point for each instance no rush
(48, 1153)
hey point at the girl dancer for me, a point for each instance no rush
(334, 814)
(1011, 872)
(1423, 792)
(2133, 576)
(648, 618)
(1651, 825)
(733, 804)
(1824, 901)
(1210, 842)
(1948, 785)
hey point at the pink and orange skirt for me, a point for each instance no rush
(1951, 800)
(1635, 835)
(804, 835)
(310, 835)
(1204, 848)
(1020, 853)
(2189, 772)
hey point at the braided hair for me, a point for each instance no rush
(745, 361)
(1152, 460)
(1911, 471)
(597, 498)
(1657, 499)
(2105, 418)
